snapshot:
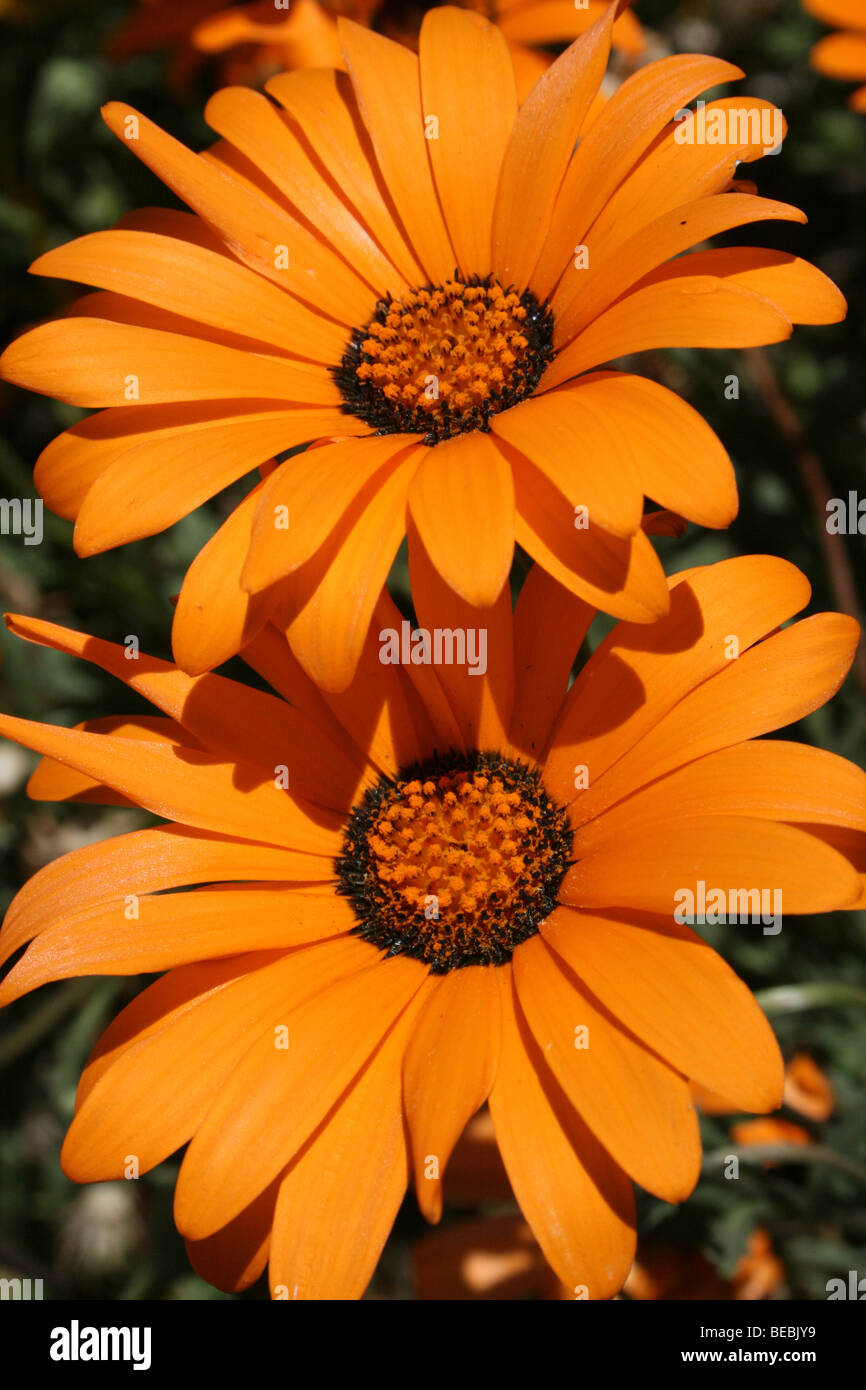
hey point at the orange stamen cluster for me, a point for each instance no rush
(457, 861)
(445, 358)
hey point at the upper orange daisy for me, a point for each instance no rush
(404, 266)
(433, 889)
(842, 55)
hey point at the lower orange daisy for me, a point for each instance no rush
(842, 55)
(432, 890)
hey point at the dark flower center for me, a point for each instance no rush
(446, 358)
(457, 861)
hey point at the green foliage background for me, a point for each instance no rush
(63, 174)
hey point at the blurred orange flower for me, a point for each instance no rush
(842, 55)
(759, 1272)
(807, 1089)
(492, 1257)
(261, 38)
(769, 1130)
(667, 1272)
(496, 1257)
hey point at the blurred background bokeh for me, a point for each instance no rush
(796, 434)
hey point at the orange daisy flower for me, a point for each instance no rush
(666, 1272)
(808, 1090)
(491, 1257)
(496, 1257)
(758, 1272)
(771, 1130)
(254, 41)
(842, 55)
(266, 38)
(414, 305)
(413, 900)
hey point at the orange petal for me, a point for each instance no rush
(550, 624)
(529, 66)
(256, 229)
(462, 501)
(676, 457)
(556, 21)
(378, 707)
(841, 55)
(164, 1061)
(467, 81)
(686, 163)
(330, 601)
(582, 452)
(639, 673)
(620, 575)
(142, 935)
(635, 1105)
(308, 25)
(53, 781)
(271, 657)
(482, 702)
(173, 222)
(617, 262)
(71, 463)
(155, 484)
(578, 1202)
(774, 683)
(441, 728)
(181, 784)
(842, 13)
(340, 1196)
(321, 105)
(386, 82)
(313, 490)
(808, 1090)
(233, 1258)
(91, 362)
(213, 709)
(642, 106)
(685, 311)
(542, 139)
(262, 134)
(767, 778)
(146, 1099)
(215, 616)
(201, 284)
(802, 292)
(850, 843)
(145, 861)
(668, 988)
(275, 1098)
(750, 854)
(73, 460)
(450, 1065)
